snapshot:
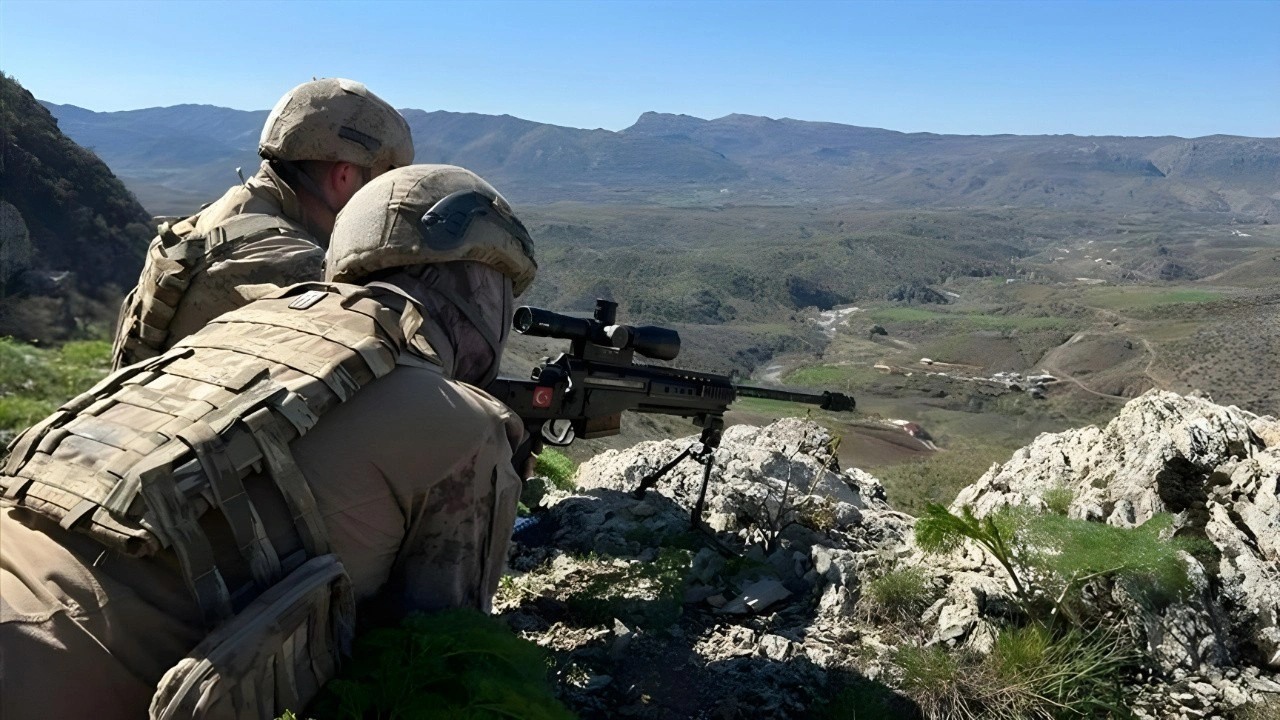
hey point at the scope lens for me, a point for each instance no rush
(523, 319)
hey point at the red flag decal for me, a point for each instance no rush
(542, 396)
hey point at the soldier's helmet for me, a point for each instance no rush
(425, 214)
(336, 120)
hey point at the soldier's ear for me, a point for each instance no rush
(345, 179)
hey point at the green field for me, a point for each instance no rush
(834, 377)
(1146, 298)
(963, 321)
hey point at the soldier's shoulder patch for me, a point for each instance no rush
(308, 299)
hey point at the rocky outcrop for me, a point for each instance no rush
(1217, 470)
(770, 597)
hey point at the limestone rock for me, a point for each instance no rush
(1216, 468)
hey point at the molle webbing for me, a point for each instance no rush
(172, 261)
(137, 460)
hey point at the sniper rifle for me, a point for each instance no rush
(583, 393)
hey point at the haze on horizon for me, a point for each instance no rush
(1071, 67)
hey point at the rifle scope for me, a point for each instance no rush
(650, 341)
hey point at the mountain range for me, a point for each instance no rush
(175, 158)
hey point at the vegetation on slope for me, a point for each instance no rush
(61, 211)
(34, 382)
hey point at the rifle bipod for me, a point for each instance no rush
(704, 452)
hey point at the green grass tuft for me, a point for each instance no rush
(556, 467)
(1030, 673)
(454, 665)
(1058, 499)
(899, 595)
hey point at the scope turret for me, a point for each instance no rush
(650, 341)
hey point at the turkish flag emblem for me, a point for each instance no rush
(542, 396)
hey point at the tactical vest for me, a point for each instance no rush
(136, 462)
(142, 330)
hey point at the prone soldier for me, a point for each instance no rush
(192, 536)
(323, 141)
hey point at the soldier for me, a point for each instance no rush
(323, 141)
(199, 526)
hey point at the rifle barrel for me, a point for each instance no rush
(827, 400)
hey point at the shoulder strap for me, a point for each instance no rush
(175, 256)
(247, 226)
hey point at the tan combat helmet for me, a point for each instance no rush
(428, 214)
(336, 120)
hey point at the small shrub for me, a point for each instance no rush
(1058, 499)
(452, 664)
(1141, 559)
(938, 531)
(1067, 551)
(899, 595)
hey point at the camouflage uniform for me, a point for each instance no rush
(410, 515)
(407, 477)
(257, 235)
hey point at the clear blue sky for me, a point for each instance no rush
(1129, 68)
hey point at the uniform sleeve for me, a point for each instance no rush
(277, 260)
(414, 479)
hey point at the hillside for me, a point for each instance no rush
(72, 234)
(177, 157)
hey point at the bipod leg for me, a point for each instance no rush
(708, 458)
(710, 441)
(652, 478)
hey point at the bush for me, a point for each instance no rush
(1141, 559)
(899, 595)
(1067, 552)
(456, 664)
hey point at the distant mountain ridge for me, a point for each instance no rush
(175, 158)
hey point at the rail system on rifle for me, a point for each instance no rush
(583, 393)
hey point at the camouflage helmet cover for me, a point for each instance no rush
(390, 223)
(336, 120)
